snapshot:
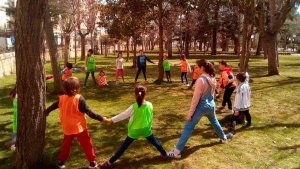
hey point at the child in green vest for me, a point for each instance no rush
(167, 68)
(90, 66)
(140, 116)
(14, 98)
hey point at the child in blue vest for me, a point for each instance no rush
(140, 116)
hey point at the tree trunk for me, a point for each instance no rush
(258, 48)
(67, 48)
(52, 45)
(134, 53)
(30, 83)
(105, 49)
(214, 32)
(236, 46)
(101, 47)
(161, 43)
(75, 45)
(127, 49)
(82, 40)
(187, 43)
(270, 47)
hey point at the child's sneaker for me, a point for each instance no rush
(106, 164)
(174, 154)
(61, 164)
(223, 141)
(229, 136)
(93, 164)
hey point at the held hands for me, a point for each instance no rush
(188, 117)
(236, 113)
(106, 120)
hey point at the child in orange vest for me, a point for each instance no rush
(67, 71)
(196, 75)
(102, 79)
(73, 108)
(185, 68)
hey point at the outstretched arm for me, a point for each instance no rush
(54, 106)
(149, 60)
(84, 108)
(124, 115)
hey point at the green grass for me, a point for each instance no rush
(272, 142)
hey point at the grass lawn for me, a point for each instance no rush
(272, 142)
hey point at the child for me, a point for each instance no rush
(225, 85)
(140, 116)
(246, 73)
(167, 68)
(68, 71)
(120, 68)
(73, 108)
(241, 102)
(195, 76)
(185, 67)
(102, 79)
(142, 65)
(90, 66)
(14, 98)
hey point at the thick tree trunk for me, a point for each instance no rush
(105, 49)
(236, 46)
(259, 46)
(215, 32)
(161, 43)
(187, 43)
(52, 45)
(83, 41)
(127, 49)
(30, 83)
(67, 48)
(134, 53)
(270, 47)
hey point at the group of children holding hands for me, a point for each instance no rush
(73, 107)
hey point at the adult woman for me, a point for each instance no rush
(202, 105)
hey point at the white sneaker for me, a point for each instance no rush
(188, 85)
(223, 141)
(173, 154)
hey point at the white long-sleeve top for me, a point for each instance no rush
(201, 87)
(242, 97)
(119, 63)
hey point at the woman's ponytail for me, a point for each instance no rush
(209, 68)
(140, 93)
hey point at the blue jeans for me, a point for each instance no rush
(190, 125)
(14, 138)
(127, 143)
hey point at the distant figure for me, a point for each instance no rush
(102, 79)
(142, 65)
(90, 66)
(119, 67)
(167, 68)
(140, 116)
(185, 68)
(72, 109)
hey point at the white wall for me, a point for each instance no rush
(7, 64)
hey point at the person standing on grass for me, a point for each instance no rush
(120, 67)
(90, 66)
(140, 116)
(167, 68)
(142, 65)
(185, 68)
(202, 105)
(195, 77)
(226, 85)
(241, 102)
(73, 108)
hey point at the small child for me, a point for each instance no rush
(67, 71)
(140, 116)
(73, 108)
(120, 67)
(14, 98)
(90, 66)
(195, 76)
(167, 68)
(102, 79)
(185, 68)
(226, 84)
(241, 102)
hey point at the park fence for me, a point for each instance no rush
(7, 64)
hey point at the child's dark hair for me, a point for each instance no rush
(140, 93)
(69, 65)
(71, 86)
(241, 76)
(91, 51)
(223, 62)
(13, 92)
(101, 71)
(182, 57)
(209, 68)
(119, 53)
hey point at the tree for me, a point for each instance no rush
(271, 17)
(30, 83)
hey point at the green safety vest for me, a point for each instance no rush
(15, 117)
(140, 126)
(91, 64)
(167, 65)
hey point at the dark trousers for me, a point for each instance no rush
(87, 76)
(227, 97)
(193, 82)
(143, 69)
(184, 74)
(168, 75)
(234, 119)
(127, 143)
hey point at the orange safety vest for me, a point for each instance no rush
(184, 66)
(195, 74)
(73, 121)
(102, 81)
(68, 73)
